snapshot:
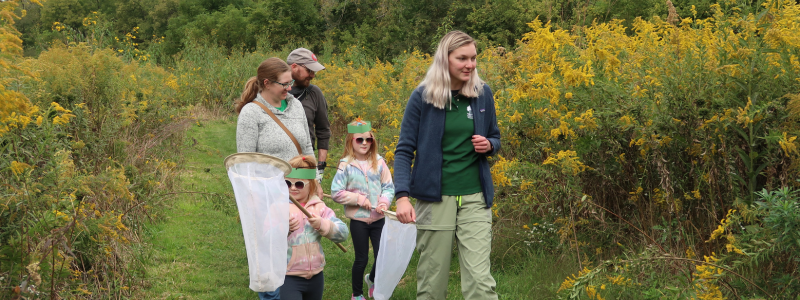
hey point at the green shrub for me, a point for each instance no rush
(81, 166)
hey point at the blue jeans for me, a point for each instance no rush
(274, 295)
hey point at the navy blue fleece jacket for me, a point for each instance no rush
(421, 132)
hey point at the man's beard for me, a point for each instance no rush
(302, 83)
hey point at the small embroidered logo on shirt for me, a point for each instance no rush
(469, 112)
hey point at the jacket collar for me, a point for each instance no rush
(357, 165)
(314, 200)
(289, 103)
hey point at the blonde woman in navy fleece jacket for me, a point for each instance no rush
(450, 122)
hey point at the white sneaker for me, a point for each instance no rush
(370, 284)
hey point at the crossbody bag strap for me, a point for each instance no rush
(275, 118)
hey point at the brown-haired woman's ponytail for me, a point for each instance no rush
(249, 93)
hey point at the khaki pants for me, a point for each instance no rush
(471, 225)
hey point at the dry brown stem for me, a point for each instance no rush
(673, 17)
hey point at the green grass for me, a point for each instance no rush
(197, 251)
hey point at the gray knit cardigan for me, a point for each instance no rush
(257, 132)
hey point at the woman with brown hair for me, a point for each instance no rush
(256, 130)
(266, 102)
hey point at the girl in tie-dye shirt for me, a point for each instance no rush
(363, 183)
(304, 278)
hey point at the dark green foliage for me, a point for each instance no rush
(781, 209)
(380, 28)
(767, 234)
(72, 12)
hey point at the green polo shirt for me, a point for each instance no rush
(459, 159)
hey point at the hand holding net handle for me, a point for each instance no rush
(303, 209)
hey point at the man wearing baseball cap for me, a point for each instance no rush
(304, 67)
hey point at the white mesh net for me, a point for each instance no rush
(263, 201)
(397, 245)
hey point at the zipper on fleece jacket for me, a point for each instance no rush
(307, 243)
(366, 179)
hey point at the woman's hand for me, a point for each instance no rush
(294, 225)
(405, 211)
(481, 144)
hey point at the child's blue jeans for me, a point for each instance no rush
(275, 295)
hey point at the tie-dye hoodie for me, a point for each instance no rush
(353, 185)
(306, 258)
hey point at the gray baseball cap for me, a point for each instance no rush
(303, 56)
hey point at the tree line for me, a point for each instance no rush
(380, 28)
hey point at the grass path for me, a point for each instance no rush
(193, 254)
(198, 251)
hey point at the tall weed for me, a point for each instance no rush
(88, 144)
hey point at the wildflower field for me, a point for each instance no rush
(659, 153)
(87, 137)
(665, 150)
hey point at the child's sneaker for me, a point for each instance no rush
(370, 284)
(359, 297)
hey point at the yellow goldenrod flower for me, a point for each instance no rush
(19, 167)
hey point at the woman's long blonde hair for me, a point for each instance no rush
(306, 162)
(372, 154)
(270, 69)
(437, 80)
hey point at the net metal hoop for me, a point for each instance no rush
(246, 157)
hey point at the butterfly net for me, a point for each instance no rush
(263, 202)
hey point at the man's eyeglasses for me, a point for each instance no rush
(285, 85)
(309, 70)
(363, 140)
(300, 184)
